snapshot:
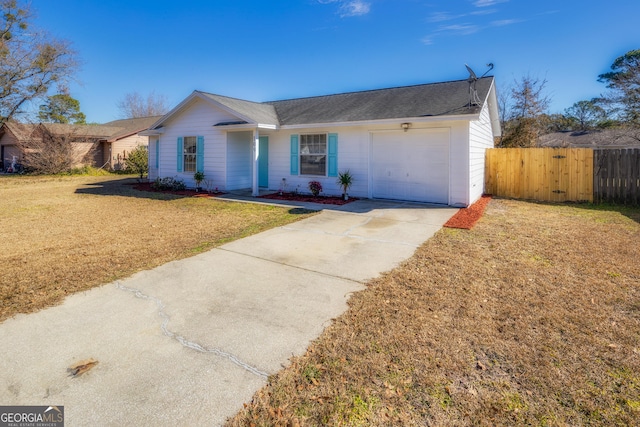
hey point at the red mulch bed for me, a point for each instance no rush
(467, 217)
(146, 186)
(325, 200)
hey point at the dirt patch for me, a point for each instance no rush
(324, 200)
(530, 318)
(466, 218)
(62, 235)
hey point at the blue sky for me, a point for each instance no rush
(269, 50)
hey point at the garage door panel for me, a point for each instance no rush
(411, 165)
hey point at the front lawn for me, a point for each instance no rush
(530, 318)
(62, 235)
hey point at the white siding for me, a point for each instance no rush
(459, 158)
(239, 165)
(196, 119)
(480, 138)
(354, 153)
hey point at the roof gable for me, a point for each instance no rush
(247, 112)
(20, 131)
(251, 112)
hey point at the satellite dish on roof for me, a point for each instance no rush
(474, 99)
(472, 75)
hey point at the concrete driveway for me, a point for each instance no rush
(188, 342)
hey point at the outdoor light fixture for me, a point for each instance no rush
(405, 126)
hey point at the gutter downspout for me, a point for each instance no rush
(256, 157)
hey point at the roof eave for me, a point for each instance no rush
(494, 112)
(424, 119)
(152, 132)
(126, 135)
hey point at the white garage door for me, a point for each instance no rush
(412, 165)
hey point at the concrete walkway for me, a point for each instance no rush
(189, 342)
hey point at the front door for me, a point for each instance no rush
(263, 162)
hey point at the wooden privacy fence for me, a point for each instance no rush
(544, 174)
(564, 174)
(617, 176)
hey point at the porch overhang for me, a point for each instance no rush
(244, 126)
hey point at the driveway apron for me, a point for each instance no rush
(189, 342)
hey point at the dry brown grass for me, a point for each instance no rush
(62, 235)
(531, 318)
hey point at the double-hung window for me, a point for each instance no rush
(313, 154)
(189, 151)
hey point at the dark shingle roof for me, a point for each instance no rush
(435, 99)
(129, 127)
(406, 102)
(110, 132)
(256, 111)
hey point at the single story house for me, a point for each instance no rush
(423, 143)
(103, 145)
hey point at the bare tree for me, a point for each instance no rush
(134, 105)
(31, 61)
(504, 106)
(56, 148)
(528, 106)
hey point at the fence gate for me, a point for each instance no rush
(544, 174)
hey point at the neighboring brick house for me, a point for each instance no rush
(104, 146)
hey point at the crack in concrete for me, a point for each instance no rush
(186, 343)
(333, 276)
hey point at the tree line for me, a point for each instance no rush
(524, 106)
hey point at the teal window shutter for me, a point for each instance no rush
(180, 153)
(157, 153)
(200, 154)
(332, 155)
(294, 155)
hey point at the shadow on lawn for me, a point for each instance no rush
(126, 187)
(632, 212)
